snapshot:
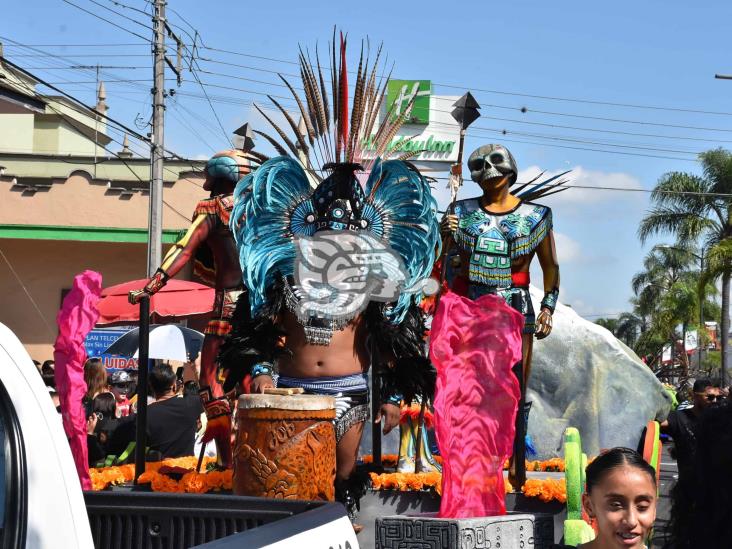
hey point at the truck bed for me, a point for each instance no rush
(147, 520)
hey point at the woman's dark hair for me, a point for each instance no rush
(105, 404)
(612, 459)
(162, 378)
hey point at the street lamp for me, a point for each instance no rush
(700, 257)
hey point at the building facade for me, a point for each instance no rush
(68, 204)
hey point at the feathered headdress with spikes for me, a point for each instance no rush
(333, 133)
(277, 203)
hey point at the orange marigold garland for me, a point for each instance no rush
(156, 475)
(547, 489)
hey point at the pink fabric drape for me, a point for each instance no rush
(76, 318)
(474, 345)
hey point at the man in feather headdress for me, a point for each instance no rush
(334, 273)
(210, 231)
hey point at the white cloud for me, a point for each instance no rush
(584, 184)
(568, 249)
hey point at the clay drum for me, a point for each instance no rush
(285, 447)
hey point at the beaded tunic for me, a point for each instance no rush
(493, 240)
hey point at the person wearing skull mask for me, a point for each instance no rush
(497, 236)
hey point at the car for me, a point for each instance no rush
(42, 505)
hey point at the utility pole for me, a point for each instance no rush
(155, 219)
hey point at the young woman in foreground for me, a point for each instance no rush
(621, 497)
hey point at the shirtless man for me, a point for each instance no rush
(211, 227)
(309, 341)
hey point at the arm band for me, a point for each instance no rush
(550, 300)
(158, 280)
(262, 369)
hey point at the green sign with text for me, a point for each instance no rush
(399, 95)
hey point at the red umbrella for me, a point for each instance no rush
(178, 298)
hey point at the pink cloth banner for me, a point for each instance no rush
(75, 320)
(474, 345)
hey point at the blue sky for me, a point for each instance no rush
(653, 53)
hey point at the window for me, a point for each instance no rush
(13, 478)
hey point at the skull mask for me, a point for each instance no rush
(491, 161)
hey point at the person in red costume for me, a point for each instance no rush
(210, 228)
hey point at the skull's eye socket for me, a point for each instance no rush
(497, 158)
(476, 165)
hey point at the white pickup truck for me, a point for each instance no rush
(42, 505)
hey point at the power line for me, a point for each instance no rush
(95, 55)
(120, 4)
(587, 101)
(503, 92)
(133, 33)
(118, 14)
(78, 45)
(521, 109)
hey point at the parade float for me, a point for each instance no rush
(456, 474)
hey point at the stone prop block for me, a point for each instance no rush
(426, 531)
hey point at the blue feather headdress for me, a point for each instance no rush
(277, 204)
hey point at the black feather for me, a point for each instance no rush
(251, 340)
(411, 373)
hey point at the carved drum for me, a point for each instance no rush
(285, 447)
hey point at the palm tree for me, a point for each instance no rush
(699, 208)
(610, 324)
(629, 328)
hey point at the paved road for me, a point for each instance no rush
(669, 471)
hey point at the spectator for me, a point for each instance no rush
(95, 377)
(48, 373)
(700, 513)
(55, 398)
(171, 419)
(620, 495)
(681, 425)
(111, 435)
(120, 383)
(37, 365)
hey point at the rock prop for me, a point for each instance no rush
(583, 376)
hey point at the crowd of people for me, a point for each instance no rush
(175, 419)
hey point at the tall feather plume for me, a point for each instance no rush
(281, 133)
(389, 135)
(293, 125)
(310, 97)
(256, 156)
(335, 96)
(343, 99)
(323, 92)
(370, 108)
(391, 150)
(406, 156)
(272, 141)
(320, 108)
(357, 111)
(305, 114)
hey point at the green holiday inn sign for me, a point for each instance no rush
(399, 94)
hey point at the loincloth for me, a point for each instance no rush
(351, 397)
(522, 301)
(223, 311)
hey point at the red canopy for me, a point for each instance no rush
(178, 298)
